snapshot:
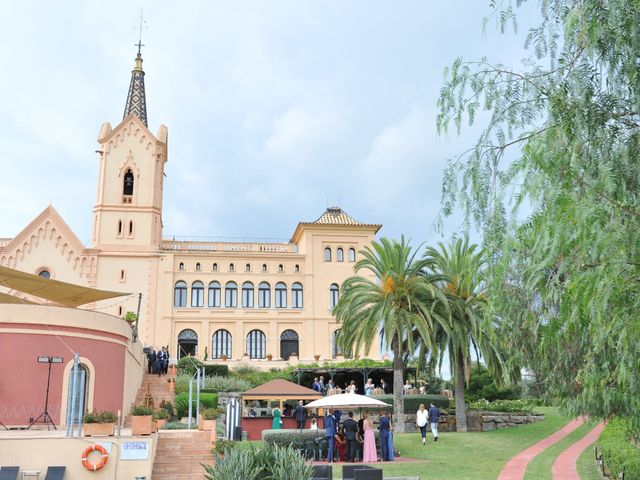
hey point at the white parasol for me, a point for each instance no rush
(347, 401)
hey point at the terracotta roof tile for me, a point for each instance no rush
(280, 387)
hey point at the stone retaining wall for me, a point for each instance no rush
(478, 421)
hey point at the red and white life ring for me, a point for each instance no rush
(103, 458)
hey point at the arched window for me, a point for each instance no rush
(198, 267)
(327, 254)
(264, 267)
(130, 227)
(280, 268)
(231, 295)
(214, 267)
(221, 344)
(352, 254)
(288, 344)
(128, 183)
(247, 295)
(335, 348)
(247, 267)
(281, 295)
(334, 295)
(119, 227)
(232, 267)
(296, 268)
(339, 255)
(256, 344)
(181, 266)
(44, 273)
(296, 296)
(197, 294)
(214, 294)
(264, 295)
(180, 294)
(187, 343)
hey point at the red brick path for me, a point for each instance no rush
(564, 468)
(515, 468)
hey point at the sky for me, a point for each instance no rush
(275, 110)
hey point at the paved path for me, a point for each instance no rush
(564, 468)
(515, 468)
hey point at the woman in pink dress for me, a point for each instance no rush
(369, 450)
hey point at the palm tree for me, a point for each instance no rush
(402, 299)
(462, 268)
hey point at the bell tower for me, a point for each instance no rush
(128, 211)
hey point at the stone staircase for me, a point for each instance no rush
(179, 454)
(158, 387)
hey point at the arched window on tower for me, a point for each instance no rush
(334, 295)
(352, 254)
(340, 254)
(128, 183)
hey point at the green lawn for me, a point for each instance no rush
(462, 456)
(540, 467)
(586, 464)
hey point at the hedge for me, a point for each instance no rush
(284, 438)
(508, 406)
(188, 365)
(207, 400)
(412, 402)
(620, 455)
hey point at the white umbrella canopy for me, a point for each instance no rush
(347, 401)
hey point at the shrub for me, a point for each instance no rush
(508, 406)
(412, 402)
(174, 426)
(207, 400)
(482, 385)
(266, 463)
(187, 366)
(161, 415)
(167, 407)
(284, 438)
(214, 384)
(210, 413)
(100, 417)
(257, 377)
(222, 445)
(140, 411)
(620, 455)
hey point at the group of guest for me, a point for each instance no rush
(369, 388)
(355, 441)
(157, 361)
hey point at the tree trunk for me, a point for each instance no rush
(398, 400)
(461, 408)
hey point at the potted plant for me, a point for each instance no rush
(317, 357)
(130, 318)
(160, 417)
(207, 420)
(223, 357)
(99, 423)
(141, 420)
(172, 384)
(269, 357)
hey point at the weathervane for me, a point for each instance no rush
(140, 27)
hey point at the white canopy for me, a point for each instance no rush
(347, 401)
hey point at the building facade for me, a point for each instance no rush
(226, 301)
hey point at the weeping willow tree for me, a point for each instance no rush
(554, 184)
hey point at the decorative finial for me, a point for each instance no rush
(140, 27)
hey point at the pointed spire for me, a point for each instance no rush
(136, 98)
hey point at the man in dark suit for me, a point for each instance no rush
(151, 360)
(385, 386)
(350, 429)
(384, 436)
(330, 431)
(300, 414)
